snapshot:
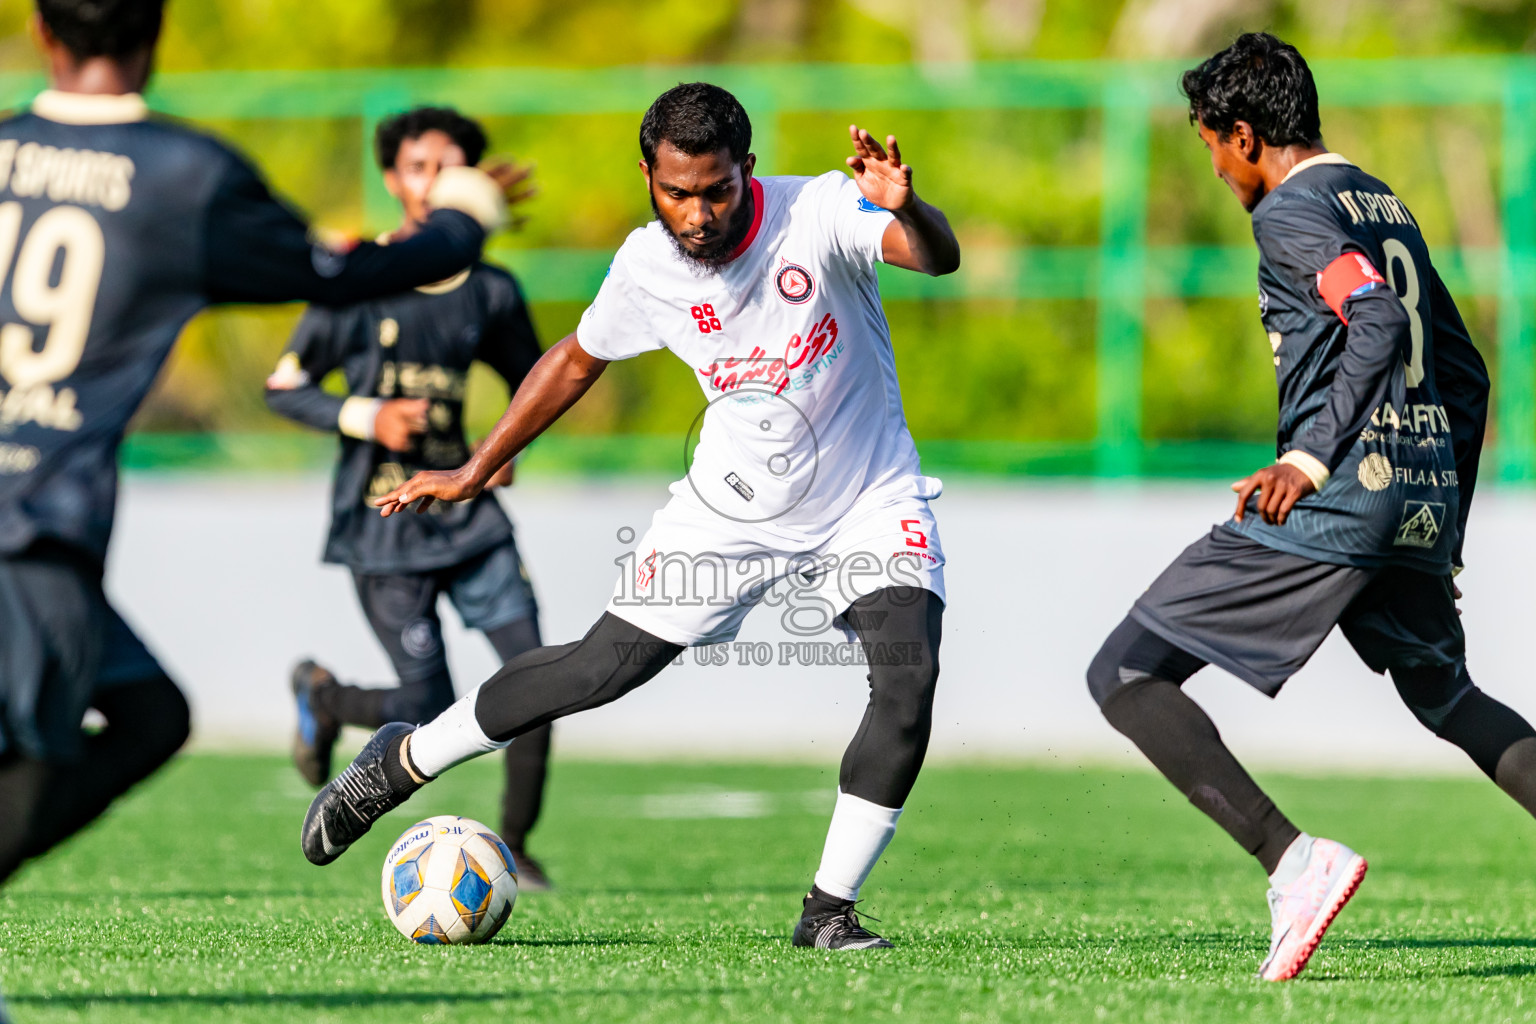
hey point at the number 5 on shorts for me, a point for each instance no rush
(915, 538)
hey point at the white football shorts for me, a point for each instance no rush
(695, 574)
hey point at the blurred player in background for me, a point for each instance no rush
(406, 360)
(1359, 524)
(767, 288)
(115, 228)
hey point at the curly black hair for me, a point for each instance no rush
(103, 28)
(413, 124)
(1261, 80)
(696, 117)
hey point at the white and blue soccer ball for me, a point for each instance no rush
(449, 880)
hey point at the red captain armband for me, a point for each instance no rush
(1344, 278)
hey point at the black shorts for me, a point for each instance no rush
(61, 643)
(1260, 613)
(489, 590)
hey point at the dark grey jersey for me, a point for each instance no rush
(1379, 382)
(115, 228)
(418, 344)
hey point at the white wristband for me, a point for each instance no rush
(357, 416)
(1309, 464)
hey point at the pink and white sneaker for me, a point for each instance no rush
(1303, 910)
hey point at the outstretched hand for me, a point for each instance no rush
(427, 487)
(1279, 487)
(513, 178)
(878, 171)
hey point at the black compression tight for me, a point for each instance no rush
(1499, 741)
(44, 804)
(542, 685)
(527, 760)
(421, 700)
(1137, 679)
(371, 706)
(900, 628)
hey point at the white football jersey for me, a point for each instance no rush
(790, 345)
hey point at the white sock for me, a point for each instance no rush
(858, 835)
(451, 738)
(1292, 862)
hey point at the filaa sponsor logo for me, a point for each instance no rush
(1375, 472)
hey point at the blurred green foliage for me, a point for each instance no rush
(972, 369)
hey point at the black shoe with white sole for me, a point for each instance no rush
(344, 811)
(830, 923)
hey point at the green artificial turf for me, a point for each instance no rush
(1013, 893)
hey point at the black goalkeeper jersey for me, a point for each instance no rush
(1379, 381)
(417, 344)
(115, 228)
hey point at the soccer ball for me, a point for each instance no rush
(449, 880)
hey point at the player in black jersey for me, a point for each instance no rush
(1360, 522)
(406, 359)
(115, 228)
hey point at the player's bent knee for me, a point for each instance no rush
(1134, 654)
(1433, 692)
(181, 725)
(905, 695)
(1104, 675)
(155, 713)
(175, 715)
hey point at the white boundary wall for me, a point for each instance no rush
(221, 577)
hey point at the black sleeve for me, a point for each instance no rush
(1462, 380)
(258, 250)
(1378, 334)
(509, 345)
(316, 348)
(1300, 239)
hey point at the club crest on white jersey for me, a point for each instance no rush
(794, 282)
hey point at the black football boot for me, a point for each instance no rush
(316, 735)
(344, 811)
(830, 923)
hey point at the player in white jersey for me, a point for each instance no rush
(804, 474)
